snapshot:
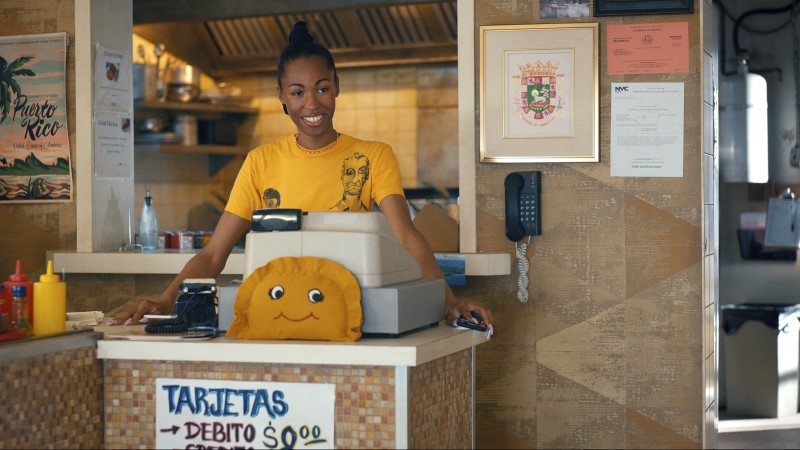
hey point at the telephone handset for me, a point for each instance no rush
(523, 217)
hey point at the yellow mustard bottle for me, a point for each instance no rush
(50, 308)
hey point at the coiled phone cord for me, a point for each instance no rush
(521, 251)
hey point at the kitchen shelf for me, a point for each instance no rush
(219, 155)
(172, 261)
(196, 107)
(198, 148)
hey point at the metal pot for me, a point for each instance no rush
(183, 83)
(150, 124)
(182, 92)
(184, 75)
(186, 128)
(145, 82)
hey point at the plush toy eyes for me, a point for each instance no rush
(276, 292)
(315, 295)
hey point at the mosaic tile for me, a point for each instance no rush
(56, 401)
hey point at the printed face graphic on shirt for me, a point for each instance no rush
(272, 199)
(355, 172)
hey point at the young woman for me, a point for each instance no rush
(317, 169)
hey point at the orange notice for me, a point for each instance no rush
(648, 48)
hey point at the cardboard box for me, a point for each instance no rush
(438, 227)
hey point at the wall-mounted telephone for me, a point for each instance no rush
(523, 217)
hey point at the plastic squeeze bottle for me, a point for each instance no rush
(19, 279)
(20, 317)
(148, 227)
(50, 308)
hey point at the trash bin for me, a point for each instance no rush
(762, 349)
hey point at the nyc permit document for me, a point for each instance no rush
(647, 129)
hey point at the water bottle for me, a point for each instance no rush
(148, 227)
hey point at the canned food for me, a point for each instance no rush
(163, 240)
(201, 238)
(185, 240)
(174, 241)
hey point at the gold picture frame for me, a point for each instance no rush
(539, 93)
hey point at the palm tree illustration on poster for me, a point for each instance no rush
(34, 142)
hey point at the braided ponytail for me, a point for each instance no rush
(302, 45)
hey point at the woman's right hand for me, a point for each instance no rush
(136, 313)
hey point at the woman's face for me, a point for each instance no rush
(309, 91)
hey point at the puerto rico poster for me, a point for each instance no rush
(34, 140)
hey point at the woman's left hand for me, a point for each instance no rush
(466, 309)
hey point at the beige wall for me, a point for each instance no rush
(607, 353)
(29, 230)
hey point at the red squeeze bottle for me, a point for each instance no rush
(19, 279)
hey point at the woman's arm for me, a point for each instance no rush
(395, 208)
(208, 263)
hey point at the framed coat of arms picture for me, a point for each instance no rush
(539, 93)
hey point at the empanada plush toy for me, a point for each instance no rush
(298, 298)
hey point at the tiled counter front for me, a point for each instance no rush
(52, 393)
(427, 405)
(365, 399)
(440, 403)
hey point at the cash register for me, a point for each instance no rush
(394, 298)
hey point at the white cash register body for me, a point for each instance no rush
(394, 297)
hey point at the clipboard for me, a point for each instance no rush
(783, 223)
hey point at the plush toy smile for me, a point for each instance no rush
(298, 298)
(309, 316)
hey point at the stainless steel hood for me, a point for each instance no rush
(227, 37)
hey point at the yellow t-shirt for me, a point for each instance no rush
(347, 175)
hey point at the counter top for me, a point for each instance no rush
(408, 350)
(172, 261)
(11, 351)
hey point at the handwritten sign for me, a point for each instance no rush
(202, 414)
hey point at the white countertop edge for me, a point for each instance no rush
(11, 351)
(168, 262)
(172, 261)
(411, 350)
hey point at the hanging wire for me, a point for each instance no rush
(753, 12)
(521, 250)
(730, 16)
(739, 24)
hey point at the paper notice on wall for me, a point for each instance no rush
(783, 223)
(647, 48)
(647, 129)
(112, 83)
(113, 144)
(34, 140)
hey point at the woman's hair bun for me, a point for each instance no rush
(300, 34)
